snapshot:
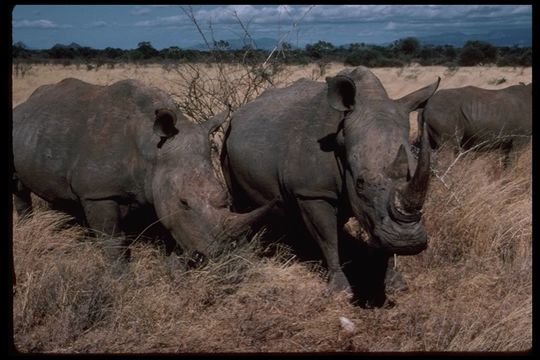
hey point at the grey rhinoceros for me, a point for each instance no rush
(328, 152)
(106, 152)
(473, 116)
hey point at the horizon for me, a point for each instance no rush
(41, 27)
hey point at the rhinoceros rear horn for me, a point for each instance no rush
(164, 124)
(400, 166)
(341, 92)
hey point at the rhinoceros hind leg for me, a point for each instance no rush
(22, 200)
(103, 218)
(320, 220)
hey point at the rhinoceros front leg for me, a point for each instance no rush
(320, 220)
(393, 280)
(22, 200)
(103, 218)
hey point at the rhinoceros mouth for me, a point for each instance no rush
(399, 238)
(398, 212)
(389, 236)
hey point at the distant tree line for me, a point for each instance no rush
(399, 53)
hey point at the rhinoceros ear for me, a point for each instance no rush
(164, 125)
(418, 98)
(341, 92)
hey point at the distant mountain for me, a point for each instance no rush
(520, 37)
(73, 46)
(236, 44)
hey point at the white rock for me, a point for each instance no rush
(347, 324)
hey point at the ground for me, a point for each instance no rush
(471, 290)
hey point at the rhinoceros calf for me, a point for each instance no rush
(471, 116)
(110, 150)
(329, 152)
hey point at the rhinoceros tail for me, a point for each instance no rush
(221, 119)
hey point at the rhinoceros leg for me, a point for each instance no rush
(320, 220)
(103, 218)
(22, 200)
(506, 150)
(393, 280)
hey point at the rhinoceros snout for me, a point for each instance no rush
(400, 239)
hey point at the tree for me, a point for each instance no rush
(146, 50)
(427, 55)
(60, 51)
(221, 45)
(367, 57)
(477, 52)
(356, 46)
(19, 49)
(113, 53)
(319, 49)
(173, 52)
(285, 46)
(408, 46)
(450, 52)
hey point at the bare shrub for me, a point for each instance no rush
(21, 68)
(209, 88)
(207, 92)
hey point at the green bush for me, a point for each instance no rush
(477, 52)
(398, 53)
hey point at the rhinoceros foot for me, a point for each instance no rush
(336, 283)
(394, 281)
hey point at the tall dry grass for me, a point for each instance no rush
(471, 290)
(397, 81)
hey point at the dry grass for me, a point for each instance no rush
(471, 290)
(397, 81)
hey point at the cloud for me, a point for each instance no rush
(390, 26)
(140, 10)
(362, 13)
(98, 24)
(167, 21)
(39, 24)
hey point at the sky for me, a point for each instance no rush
(125, 26)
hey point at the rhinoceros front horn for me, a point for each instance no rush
(236, 225)
(412, 197)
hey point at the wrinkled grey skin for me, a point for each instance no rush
(111, 150)
(328, 152)
(471, 115)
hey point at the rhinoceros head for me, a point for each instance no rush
(189, 200)
(385, 185)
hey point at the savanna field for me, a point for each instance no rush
(470, 291)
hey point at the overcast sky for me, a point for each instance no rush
(124, 26)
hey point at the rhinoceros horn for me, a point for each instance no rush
(235, 225)
(413, 195)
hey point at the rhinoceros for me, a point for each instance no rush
(105, 152)
(473, 116)
(328, 152)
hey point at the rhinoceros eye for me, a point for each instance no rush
(185, 204)
(360, 182)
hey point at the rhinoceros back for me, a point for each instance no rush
(75, 140)
(273, 147)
